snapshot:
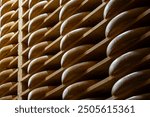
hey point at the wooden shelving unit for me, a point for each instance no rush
(36, 49)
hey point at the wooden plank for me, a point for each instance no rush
(20, 59)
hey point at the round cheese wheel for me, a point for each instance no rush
(37, 50)
(35, 63)
(6, 17)
(68, 8)
(124, 40)
(126, 60)
(5, 87)
(5, 50)
(122, 21)
(6, 27)
(5, 74)
(37, 20)
(33, 2)
(9, 97)
(38, 33)
(38, 78)
(40, 92)
(140, 97)
(36, 9)
(5, 7)
(131, 82)
(73, 72)
(114, 7)
(62, 2)
(73, 54)
(6, 38)
(72, 37)
(68, 24)
(4, 63)
(75, 89)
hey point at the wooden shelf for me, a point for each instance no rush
(25, 3)
(51, 5)
(25, 27)
(25, 15)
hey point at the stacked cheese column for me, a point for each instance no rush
(129, 30)
(43, 44)
(81, 22)
(8, 49)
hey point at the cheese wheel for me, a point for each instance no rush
(72, 21)
(4, 63)
(6, 50)
(122, 21)
(38, 78)
(37, 20)
(124, 40)
(6, 38)
(126, 60)
(9, 97)
(33, 2)
(5, 74)
(72, 73)
(6, 17)
(73, 54)
(72, 37)
(140, 97)
(62, 2)
(5, 87)
(40, 92)
(35, 63)
(130, 83)
(6, 27)
(75, 89)
(36, 9)
(5, 7)
(68, 8)
(38, 33)
(37, 50)
(115, 6)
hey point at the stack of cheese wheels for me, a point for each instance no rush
(8, 50)
(38, 43)
(127, 30)
(71, 15)
(37, 46)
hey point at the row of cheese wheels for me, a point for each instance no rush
(8, 49)
(129, 23)
(72, 31)
(37, 44)
(65, 28)
(130, 48)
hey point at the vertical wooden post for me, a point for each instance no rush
(20, 59)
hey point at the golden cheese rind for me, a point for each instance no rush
(130, 83)
(123, 20)
(124, 40)
(75, 89)
(75, 71)
(126, 60)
